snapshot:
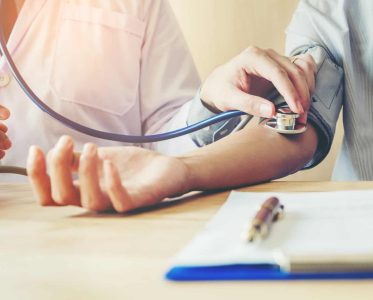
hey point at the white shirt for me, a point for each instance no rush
(120, 66)
(345, 28)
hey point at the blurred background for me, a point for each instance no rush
(217, 30)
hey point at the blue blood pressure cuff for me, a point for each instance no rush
(323, 114)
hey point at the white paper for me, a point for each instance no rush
(328, 223)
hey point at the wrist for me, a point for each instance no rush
(194, 173)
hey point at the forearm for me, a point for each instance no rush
(249, 156)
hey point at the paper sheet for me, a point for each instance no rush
(314, 223)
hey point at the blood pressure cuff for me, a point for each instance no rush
(327, 99)
(198, 112)
(323, 114)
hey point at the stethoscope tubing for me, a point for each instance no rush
(133, 139)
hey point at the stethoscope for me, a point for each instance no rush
(284, 122)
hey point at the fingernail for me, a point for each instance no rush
(265, 110)
(32, 152)
(64, 141)
(108, 172)
(2, 115)
(107, 167)
(7, 143)
(89, 149)
(300, 108)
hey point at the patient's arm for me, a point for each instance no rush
(252, 155)
(125, 178)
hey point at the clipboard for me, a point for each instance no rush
(330, 232)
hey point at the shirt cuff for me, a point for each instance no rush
(198, 112)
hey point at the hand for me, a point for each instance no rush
(243, 82)
(5, 143)
(119, 178)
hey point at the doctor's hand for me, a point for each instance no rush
(5, 143)
(245, 81)
(116, 178)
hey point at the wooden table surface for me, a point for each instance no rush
(67, 253)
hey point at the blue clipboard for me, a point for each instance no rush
(217, 253)
(254, 272)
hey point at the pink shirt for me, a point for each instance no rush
(119, 66)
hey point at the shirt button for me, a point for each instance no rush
(4, 79)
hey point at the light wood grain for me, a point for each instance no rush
(67, 253)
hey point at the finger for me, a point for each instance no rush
(5, 142)
(64, 192)
(4, 113)
(302, 118)
(257, 62)
(3, 128)
(297, 77)
(119, 196)
(2, 154)
(38, 177)
(92, 198)
(253, 105)
(306, 63)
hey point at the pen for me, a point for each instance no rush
(269, 212)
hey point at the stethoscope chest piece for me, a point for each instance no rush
(285, 122)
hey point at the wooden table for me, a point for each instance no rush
(67, 253)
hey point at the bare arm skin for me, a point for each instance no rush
(252, 155)
(125, 178)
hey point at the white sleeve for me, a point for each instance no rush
(194, 112)
(309, 32)
(168, 74)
